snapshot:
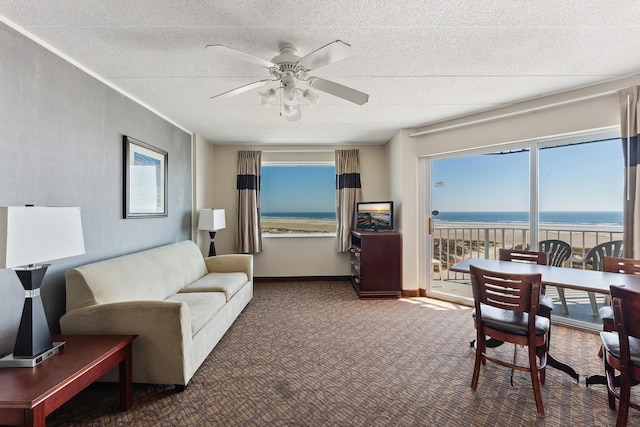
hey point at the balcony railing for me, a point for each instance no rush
(456, 242)
(453, 243)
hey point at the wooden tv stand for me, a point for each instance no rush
(376, 264)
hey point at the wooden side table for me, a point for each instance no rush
(28, 395)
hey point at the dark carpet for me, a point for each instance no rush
(313, 354)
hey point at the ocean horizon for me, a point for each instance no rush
(608, 218)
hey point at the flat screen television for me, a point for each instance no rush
(374, 216)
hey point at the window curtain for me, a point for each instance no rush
(249, 231)
(348, 192)
(629, 119)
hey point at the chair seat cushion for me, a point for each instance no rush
(611, 344)
(510, 321)
(606, 313)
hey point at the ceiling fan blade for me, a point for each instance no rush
(334, 51)
(242, 89)
(238, 54)
(338, 90)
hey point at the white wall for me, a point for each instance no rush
(292, 256)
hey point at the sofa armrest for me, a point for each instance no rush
(162, 350)
(231, 263)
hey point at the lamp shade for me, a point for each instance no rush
(32, 234)
(211, 220)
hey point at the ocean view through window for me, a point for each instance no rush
(298, 199)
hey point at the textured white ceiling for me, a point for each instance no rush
(421, 61)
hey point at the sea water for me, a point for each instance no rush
(608, 218)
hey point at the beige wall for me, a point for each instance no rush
(403, 170)
(292, 256)
(580, 110)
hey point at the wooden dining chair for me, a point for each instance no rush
(622, 266)
(506, 309)
(622, 350)
(531, 257)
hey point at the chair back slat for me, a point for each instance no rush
(513, 292)
(559, 251)
(530, 257)
(622, 265)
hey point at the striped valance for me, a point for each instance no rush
(348, 180)
(248, 182)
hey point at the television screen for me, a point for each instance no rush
(374, 216)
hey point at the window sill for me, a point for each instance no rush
(296, 235)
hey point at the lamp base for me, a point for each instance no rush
(212, 245)
(23, 362)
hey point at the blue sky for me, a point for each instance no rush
(298, 189)
(585, 177)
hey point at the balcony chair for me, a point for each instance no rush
(595, 260)
(506, 309)
(559, 251)
(622, 266)
(622, 350)
(437, 264)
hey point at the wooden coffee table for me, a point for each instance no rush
(28, 395)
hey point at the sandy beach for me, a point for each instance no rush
(290, 226)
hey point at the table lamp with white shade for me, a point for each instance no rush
(30, 235)
(211, 220)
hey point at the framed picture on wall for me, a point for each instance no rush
(145, 179)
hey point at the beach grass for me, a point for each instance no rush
(297, 226)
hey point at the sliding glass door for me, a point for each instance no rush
(479, 203)
(524, 196)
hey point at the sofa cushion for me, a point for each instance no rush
(203, 306)
(229, 283)
(152, 274)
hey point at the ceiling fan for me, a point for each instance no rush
(289, 69)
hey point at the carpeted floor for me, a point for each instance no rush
(313, 354)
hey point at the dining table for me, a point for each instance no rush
(569, 278)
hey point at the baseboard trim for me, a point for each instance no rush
(303, 279)
(410, 293)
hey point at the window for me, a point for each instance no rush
(298, 198)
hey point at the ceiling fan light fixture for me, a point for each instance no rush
(290, 94)
(289, 110)
(310, 96)
(268, 97)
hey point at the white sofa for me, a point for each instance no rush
(177, 302)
